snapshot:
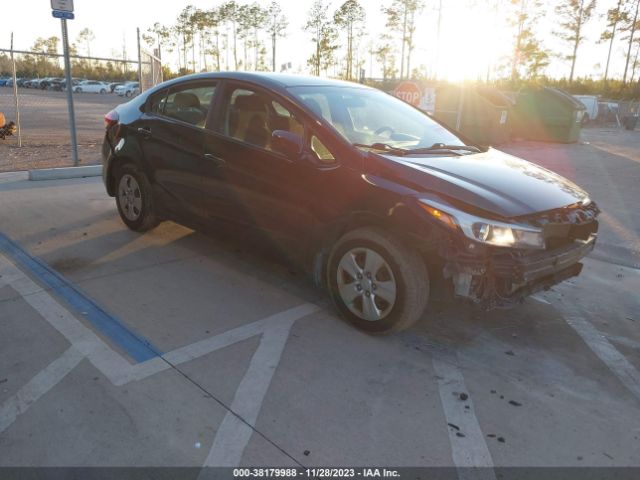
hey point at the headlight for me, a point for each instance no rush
(484, 230)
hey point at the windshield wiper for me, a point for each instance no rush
(383, 147)
(439, 147)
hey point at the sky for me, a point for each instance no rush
(471, 41)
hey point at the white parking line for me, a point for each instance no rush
(110, 363)
(44, 381)
(469, 452)
(237, 427)
(627, 342)
(233, 435)
(611, 357)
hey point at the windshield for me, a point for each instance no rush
(367, 117)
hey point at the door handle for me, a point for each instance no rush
(145, 132)
(217, 161)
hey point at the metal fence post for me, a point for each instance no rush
(15, 94)
(67, 72)
(139, 62)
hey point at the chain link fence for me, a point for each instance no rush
(38, 103)
(150, 70)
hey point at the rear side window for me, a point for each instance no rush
(188, 104)
(157, 103)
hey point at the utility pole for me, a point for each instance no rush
(67, 74)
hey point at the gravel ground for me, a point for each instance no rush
(45, 128)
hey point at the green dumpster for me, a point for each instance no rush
(484, 111)
(547, 114)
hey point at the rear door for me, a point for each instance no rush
(171, 133)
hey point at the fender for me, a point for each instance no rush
(125, 149)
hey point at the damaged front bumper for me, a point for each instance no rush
(499, 278)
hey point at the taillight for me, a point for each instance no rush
(111, 119)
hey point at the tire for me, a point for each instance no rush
(134, 199)
(358, 297)
(78, 90)
(127, 93)
(103, 91)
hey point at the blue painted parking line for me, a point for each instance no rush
(135, 345)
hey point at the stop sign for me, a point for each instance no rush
(408, 92)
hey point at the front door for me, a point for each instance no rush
(246, 181)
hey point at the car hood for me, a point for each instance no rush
(493, 181)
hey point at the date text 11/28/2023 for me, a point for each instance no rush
(315, 473)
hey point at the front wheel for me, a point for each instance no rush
(379, 284)
(103, 91)
(134, 199)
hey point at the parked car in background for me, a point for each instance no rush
(590, 102)
(4, 80)
(129, 89)
(92, 86)
(74, 82)
(382, 203)
(50, 84)
(113, 85)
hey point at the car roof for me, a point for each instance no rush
(271, 80)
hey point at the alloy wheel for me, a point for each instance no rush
(366, 284)
(130, 197)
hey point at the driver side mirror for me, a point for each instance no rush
(287, 143)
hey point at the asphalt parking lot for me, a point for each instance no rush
(177, 349)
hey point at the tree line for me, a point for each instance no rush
(246, 36)
(46, 62)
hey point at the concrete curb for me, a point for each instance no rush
(6, 177)
(65, 172)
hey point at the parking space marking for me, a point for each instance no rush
(238, 425)
(627, 342)
(236, 429)
(470, 453)
(44, 381)
(217, 342)
(113, 365)
(609, 354)
(136, 346)
(109, 362)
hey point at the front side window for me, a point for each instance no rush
(367, 116)
(252, 117)
(321, 151)
(188, 104)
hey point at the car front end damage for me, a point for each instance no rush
(499, 276)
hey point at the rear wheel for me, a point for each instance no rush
(103, 91)
(379, 284)
(134, 199)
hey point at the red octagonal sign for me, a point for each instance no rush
(408, 92)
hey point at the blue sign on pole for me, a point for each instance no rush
(61, 14)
